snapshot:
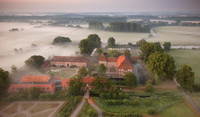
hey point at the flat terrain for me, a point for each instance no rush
(31, 109)
(188, 57)
(177, 35)
(64, 73)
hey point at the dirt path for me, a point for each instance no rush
(91, 102)
(80, 106)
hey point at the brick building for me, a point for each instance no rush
(69, 61)
(117, 66)
(45, 83)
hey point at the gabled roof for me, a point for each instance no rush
(111, 59)
(35, 79)
(68, 59)
(102, 57)
(120, 60)
(124, 63)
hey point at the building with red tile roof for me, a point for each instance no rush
(116, 66)
(86, 80)
(68, 61)
(45, 83)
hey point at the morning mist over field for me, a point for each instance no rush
(99, 58)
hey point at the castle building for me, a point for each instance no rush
(116, 65)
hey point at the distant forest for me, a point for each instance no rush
(120, 27)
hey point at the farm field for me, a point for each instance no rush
(158, 101)
(188, 57)
(31, 109)
(177, 35)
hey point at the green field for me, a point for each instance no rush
(178, 110)
(177, 35)
(188, 57)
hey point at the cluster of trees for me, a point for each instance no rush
(111, 42)
(61, 40)
(35, 61)
(4, 81)
(96, 25)
(87, 45)
(125, 101)
(128, 27)
(114, 53)
(162, 65)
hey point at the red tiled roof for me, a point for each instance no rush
(88, 79)
(64, 82)
(120, 60)
(102, 57)
(35, 79)
(69, 59)
(125, 65)
(112, 59)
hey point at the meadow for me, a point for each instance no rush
(188, 57)
(177, 35)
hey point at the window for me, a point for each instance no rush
(17, 88)
(47, 88)
(66, 82)
(13, 88)
(43, 88)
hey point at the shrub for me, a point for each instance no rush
(147, 102)
(136, 102)
(12, 97)
(152, 111)
(42, 96)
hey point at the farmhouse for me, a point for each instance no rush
(68, 61)
(45, 83)
(116, 66)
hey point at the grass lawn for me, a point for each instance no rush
(3, 104)
(177, 110)
(43, 106)
(88, 111)
(188, 57)
(64, 73)
(12, 109)
(26, 106)
(132, 51)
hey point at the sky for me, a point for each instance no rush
(100, 6)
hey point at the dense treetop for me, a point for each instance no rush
(35, 61)
(61, 40)
(4, 81)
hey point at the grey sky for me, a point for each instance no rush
(100, 5)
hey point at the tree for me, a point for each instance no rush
(35, 61)
(141, 42)
(147, 49)
(14, 69)
(127, 54)
(99, 52)
(4, 81)
(95, 40)
(96, 25)
(85, 46)
(162, 65)
(130, 79)
(82, 72)
(34, 92)
(148, 86)
(185, 77)
(102, 69)
(75, 86)
(111, 42)
(61, 40)
(167, 46)
(114, 53)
